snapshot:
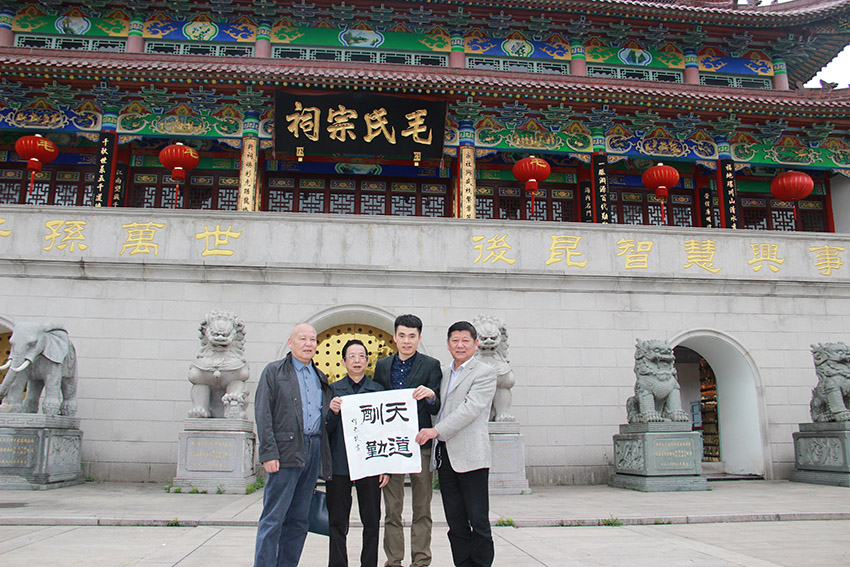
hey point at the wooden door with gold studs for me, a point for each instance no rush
(329, 354)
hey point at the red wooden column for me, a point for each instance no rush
(263, 46)
(780, 74)
(457, 56)
(691, 66)
(578, 58)
(135, 37)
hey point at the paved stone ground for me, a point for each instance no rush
(741, 523)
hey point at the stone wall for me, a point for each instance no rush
(839, 192)
(574, 296)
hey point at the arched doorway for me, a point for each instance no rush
(335, 326)
(329, 354)
(743, 445)
(698, 387)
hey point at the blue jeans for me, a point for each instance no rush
(282, 527)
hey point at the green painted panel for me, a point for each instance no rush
(70, 25)
(635, 57)
(204, 163)
(511, 139)
(175, 125)
(360, 39)
(751, 186)
(754, 186)
(507, 175)
(791, 155)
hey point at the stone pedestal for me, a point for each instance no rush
(40, 451)
(658, 457)
(822, 453)
(216, 455)
(507, 448)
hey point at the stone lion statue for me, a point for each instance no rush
(493, 350)
(657, 395)
(831, 397)
(220, 372)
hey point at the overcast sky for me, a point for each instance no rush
(838, 71)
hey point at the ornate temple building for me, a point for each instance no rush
(345, 162)
(695, 84)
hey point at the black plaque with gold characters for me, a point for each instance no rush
(601, 212)
(105, 162)
(359, 124)
(706, 207)
(727, 193)
(119, 185)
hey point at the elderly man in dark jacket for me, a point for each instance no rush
(291, 408)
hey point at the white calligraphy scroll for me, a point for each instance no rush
(380, 430)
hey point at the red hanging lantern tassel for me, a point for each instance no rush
(531, 170)
(792, 186)
(179, 159)
(660, 178)
(37, 150)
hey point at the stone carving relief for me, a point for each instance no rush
(657, 396)
(629, 454)
(65, 453)
(831, 396)
(248, 455)
(493, 350)
(220, 371)
(819, 452)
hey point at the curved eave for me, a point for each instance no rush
(20, 65)
(795, 13)
(804, 69)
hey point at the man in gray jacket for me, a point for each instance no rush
(291, 407)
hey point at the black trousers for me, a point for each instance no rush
(338, 490)
(466, 502)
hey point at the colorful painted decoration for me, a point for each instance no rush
(531, 171)
(36, 150)
(660, 178)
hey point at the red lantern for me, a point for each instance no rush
(660, 178)
(36, 150)
(792, 186)
(531, 170)
(179, 159)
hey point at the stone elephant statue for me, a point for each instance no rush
(43, 360)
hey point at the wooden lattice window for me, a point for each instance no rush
(62, 185)
(761, 212)
(358, 195)
(509, 201)
(640, 207)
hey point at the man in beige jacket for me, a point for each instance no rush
(462, 453)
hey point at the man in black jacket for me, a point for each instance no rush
(291, 407)
(410, 369)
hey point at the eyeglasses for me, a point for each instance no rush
(356, 356)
